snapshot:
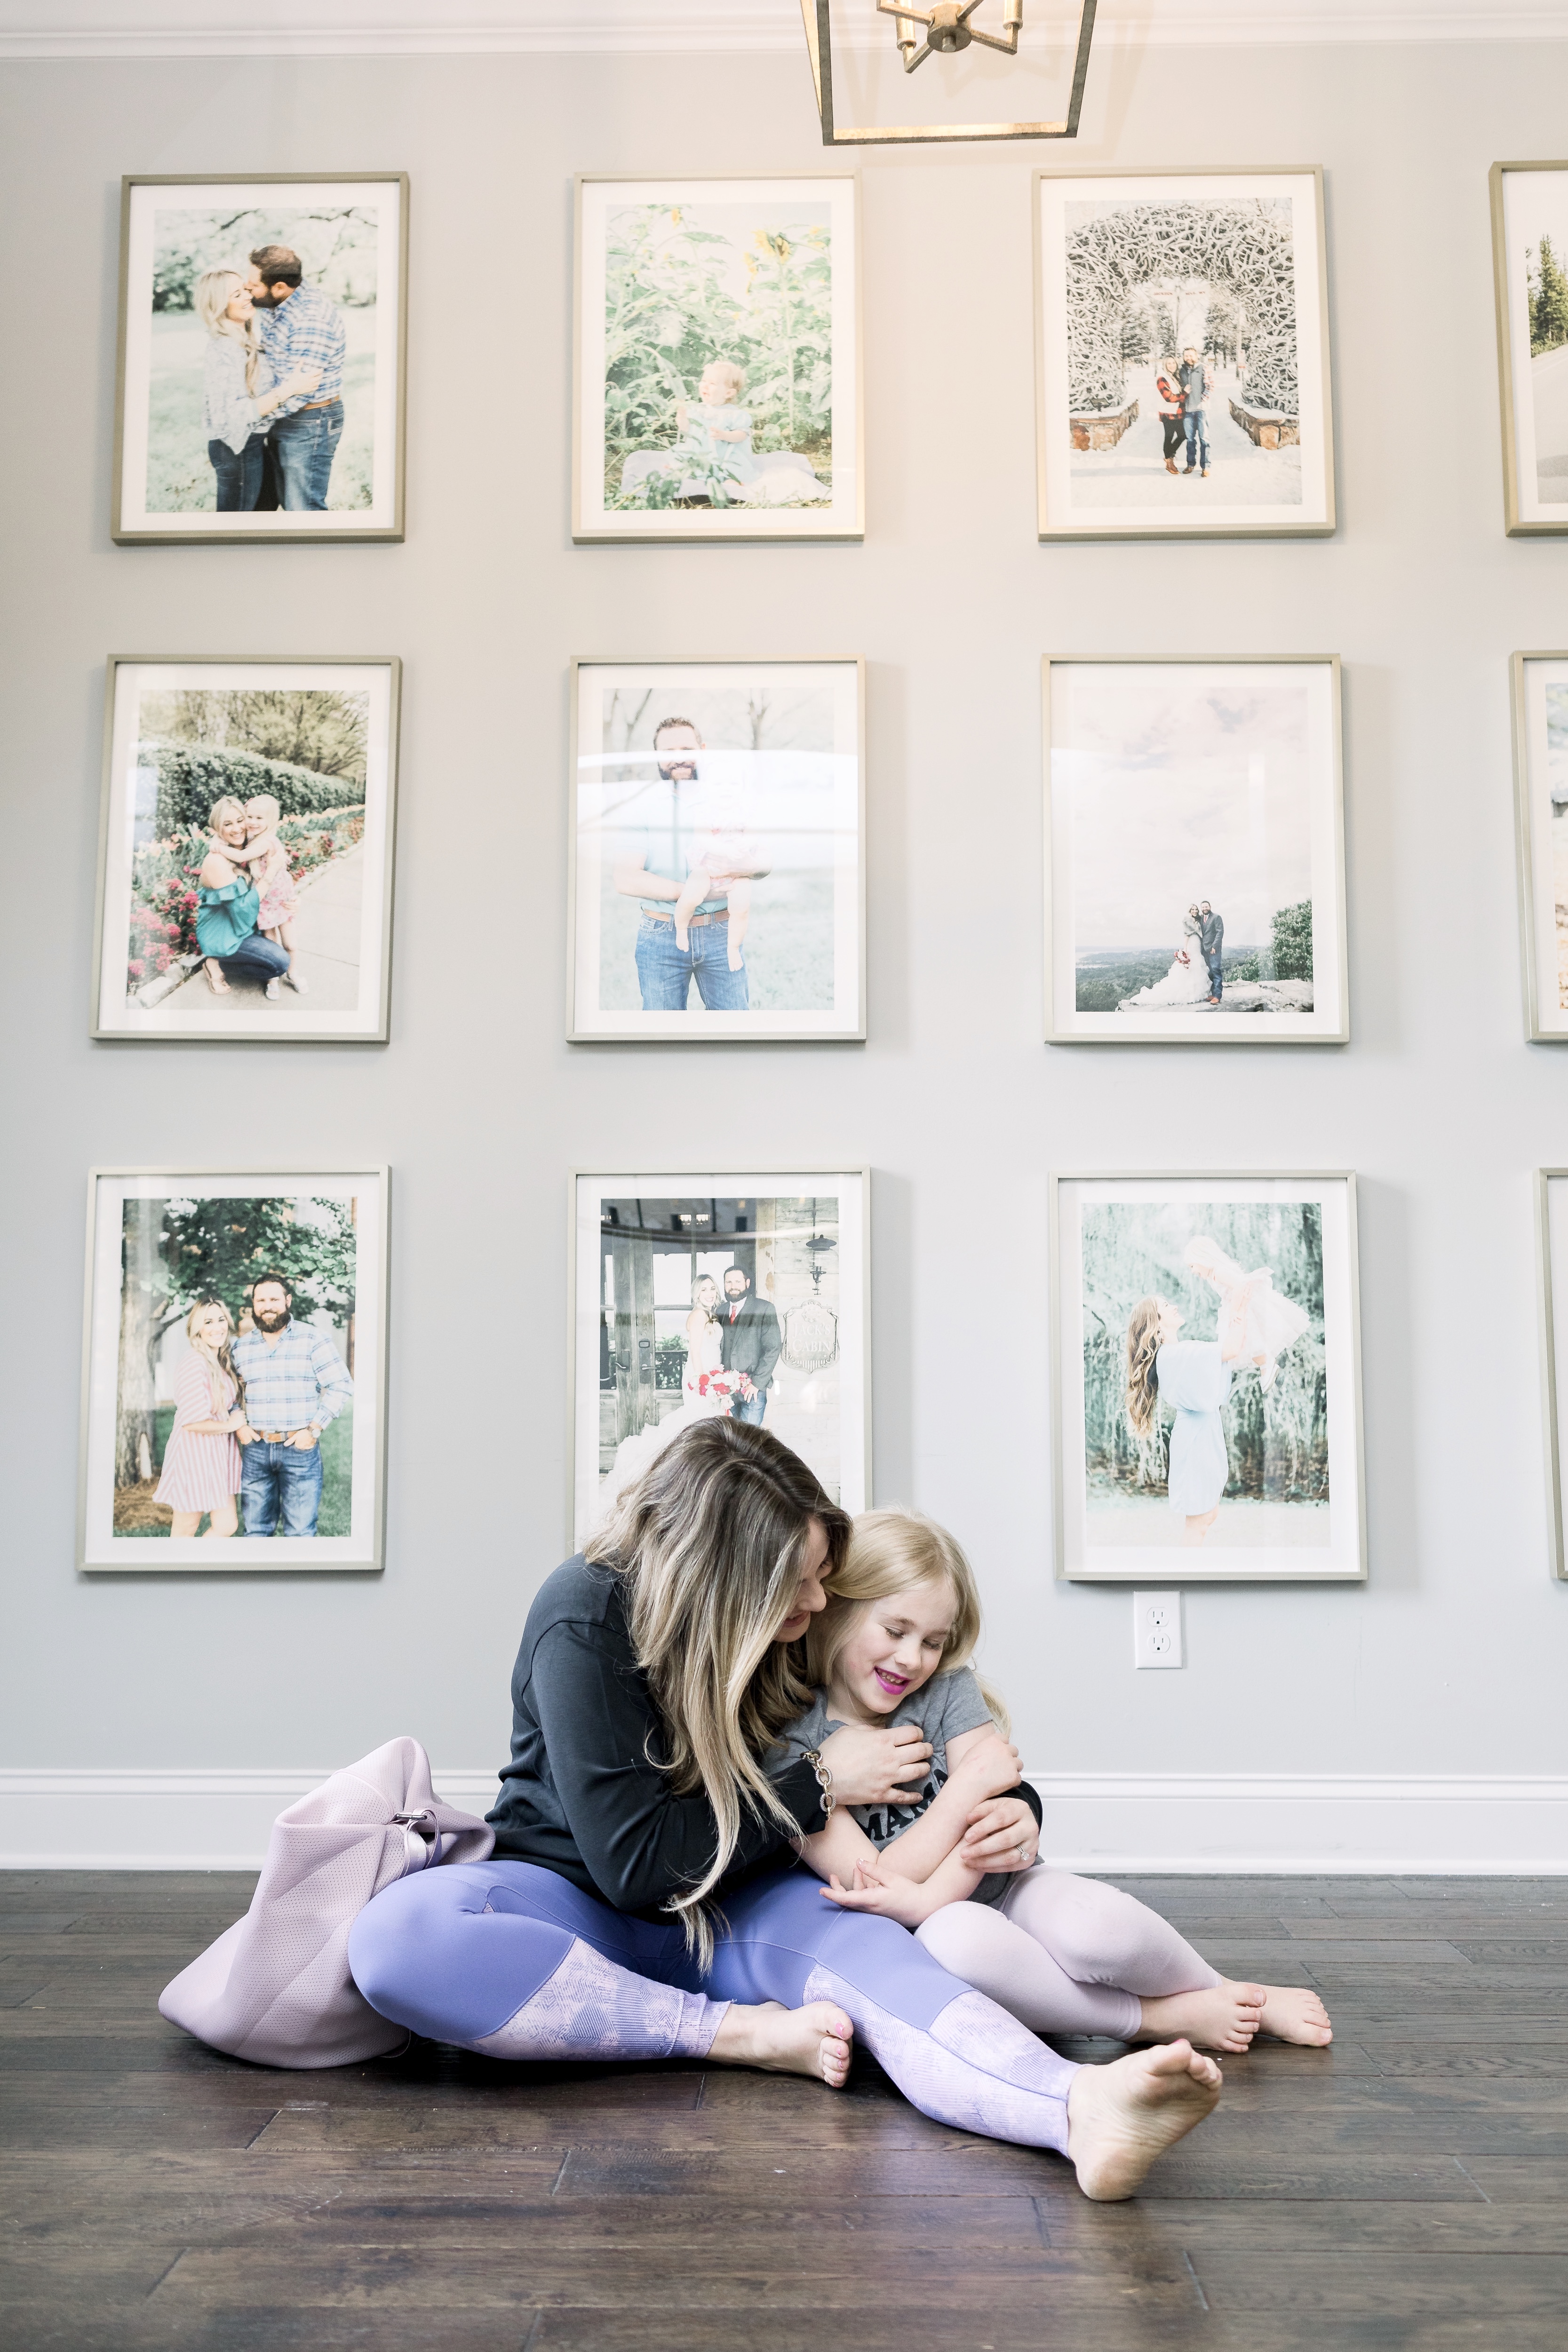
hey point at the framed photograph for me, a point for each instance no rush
(695, 1295)
(716, 359)
(718, 868)
(1552, 1237)
(1195, 851)
(1208, 1424)
(1529, 270)
(245, 848)
(263, 325)
(234, 1370)
(1541, 805)
(1182, 356)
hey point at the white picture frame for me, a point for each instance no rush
(1529, 210)
(1540, 699)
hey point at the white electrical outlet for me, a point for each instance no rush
(1157, 1629)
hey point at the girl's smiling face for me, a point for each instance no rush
(897, 1646)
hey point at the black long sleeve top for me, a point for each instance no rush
(581, 1794)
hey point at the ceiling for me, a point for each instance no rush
(57, 28)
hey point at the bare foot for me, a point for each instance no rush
(215, 980)
(1122, 2118)
(812, 2040)
(1223, 2016)
(1294, 2014)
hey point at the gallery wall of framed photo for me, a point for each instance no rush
(831, 713)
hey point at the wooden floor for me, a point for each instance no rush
(1405, 2188)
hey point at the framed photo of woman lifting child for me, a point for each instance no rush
(700, 1294)
(245, 849)
(234, 1370)
(718, 869)
(263, 331)
(716, 359)
(1207, 1373)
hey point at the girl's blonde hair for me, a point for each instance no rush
(265, 801)
(222, 810)
(891, 1551)
(217, 1360)
(736, 375)
(213, 293)
(1142, 1380)
(711, 1542)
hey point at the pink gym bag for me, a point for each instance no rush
(275, 1988)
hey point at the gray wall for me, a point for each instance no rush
(1451, 1660)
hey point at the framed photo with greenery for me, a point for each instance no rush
(1182, 356)
(718, 869)
(696, 1295)
(1529, 273)
(234, 1370)
(1206, 1341)
(716, 359)
(245, 848)
(263, 330)
(1541, 805)
(1195, 851)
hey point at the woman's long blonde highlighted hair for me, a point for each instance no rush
(891, 1551)
(1142, 1379)
(712, 1541)
(212, 294)
(218, 1361)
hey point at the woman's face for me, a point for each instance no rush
(809, 1596)
(708, 1294)
(232, 830)
(1171, 1321)
(898, 1645)
(212, 1328)
(240, 307)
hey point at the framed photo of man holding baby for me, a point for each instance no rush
(263, 333)
(717, 359)
(700, 1294)
(718, 868)
(245, 848)
(234, 1370)
(1205, 1341)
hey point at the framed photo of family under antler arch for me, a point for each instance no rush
(1206, 1365)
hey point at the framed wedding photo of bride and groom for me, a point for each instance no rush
(1195, 851)
(1207, 1364)
(717, 884)
(263, 337)
(700, 1294)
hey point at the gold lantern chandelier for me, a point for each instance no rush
(945, 30)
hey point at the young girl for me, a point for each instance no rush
(1257, 1325)
(269, 862)
(726, 844)
(1064, 1955)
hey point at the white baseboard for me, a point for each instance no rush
(1275, 1824)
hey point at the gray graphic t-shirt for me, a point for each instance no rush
(942, 1709)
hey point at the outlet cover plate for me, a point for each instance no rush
(1157, 1630)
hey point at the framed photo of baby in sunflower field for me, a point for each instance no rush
(716, 359)
(1207, 1373)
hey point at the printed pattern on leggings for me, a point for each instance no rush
(591, 2005)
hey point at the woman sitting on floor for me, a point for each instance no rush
(656, 1672)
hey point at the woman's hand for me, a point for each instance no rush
(1003, 1835)
(988, 1768)
(882, 1892)
(872, 1767)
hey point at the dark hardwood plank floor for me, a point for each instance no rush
(1406, 2190)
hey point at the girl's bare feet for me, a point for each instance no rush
(1122, 2118)
(1223, 2016)
(1294, 2014)
(813, 2041)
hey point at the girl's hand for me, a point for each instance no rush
(881, 1893)
(1001, 1836)
(872, 1767)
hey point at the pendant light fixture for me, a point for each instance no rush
(945, 30)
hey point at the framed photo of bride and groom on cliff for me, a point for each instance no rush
(700, 1294)
(716, 359)
(1206, 1368)
(1195, 851)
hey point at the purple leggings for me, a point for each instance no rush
(515, 1961)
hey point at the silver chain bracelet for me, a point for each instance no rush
(824, 1780)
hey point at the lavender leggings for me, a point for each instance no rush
(1065, 1955)
(515, 1961)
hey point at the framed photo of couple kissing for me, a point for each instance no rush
(1195, 851)
(716, 359)
(1182, 356)
(263, 339)
(717, 880)
(700, 1295)
(245, 848)
(234, 1370)
(1206, 1366)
